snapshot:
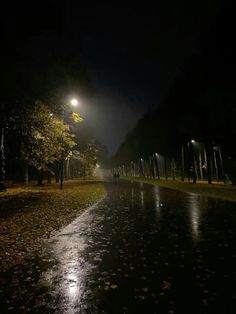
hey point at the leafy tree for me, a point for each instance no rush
(88, 159)
(44, 138)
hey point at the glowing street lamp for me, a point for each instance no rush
(194, 161)
(156, 160)
(74, 102)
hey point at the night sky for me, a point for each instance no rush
(132, 53)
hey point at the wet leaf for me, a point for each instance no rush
(145, 289)
(113, 286)
(166, 285)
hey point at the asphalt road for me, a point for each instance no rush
(142, 249)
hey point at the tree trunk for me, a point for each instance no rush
(67, 174)
(193, 164)
(40, 178)
(26, 172)
(233, 176)
(49, 177)
(200, 165)
(157, 167)
(216, 166)
(209, 164)
(165, 166)
(222, 166)
(152, 168)
(62, 170)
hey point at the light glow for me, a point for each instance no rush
(74, 102)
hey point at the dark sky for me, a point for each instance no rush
(132, 52)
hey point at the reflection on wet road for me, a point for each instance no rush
(143, 249)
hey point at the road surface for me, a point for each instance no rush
(142, 249)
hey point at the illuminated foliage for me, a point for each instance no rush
(44, 137)
(76, 117)
(88, 159)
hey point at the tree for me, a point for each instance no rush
(88, 159)
(44, 138)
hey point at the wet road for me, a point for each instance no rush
(142, 249)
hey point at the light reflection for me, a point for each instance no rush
(142, 198)
(68, 248)
(72, 289)
(157, 200)
(132, 195)
(194, 215)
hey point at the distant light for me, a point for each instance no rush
(51, 115)
(192, 141)
(74, 102)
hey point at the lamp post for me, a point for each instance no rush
(157, 166)
(73, 102)
(194, 162)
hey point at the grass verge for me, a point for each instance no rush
(225, 192)
(31, 214)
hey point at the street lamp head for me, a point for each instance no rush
(74, 102)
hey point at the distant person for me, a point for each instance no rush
(116, 176)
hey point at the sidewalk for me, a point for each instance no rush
(216, 189)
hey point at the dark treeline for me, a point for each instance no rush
(201, 104)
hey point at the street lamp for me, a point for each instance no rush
(74, 102)
(156, 158)
(193, 161)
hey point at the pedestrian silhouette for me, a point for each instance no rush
(116, 176)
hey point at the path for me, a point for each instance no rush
(143, 249)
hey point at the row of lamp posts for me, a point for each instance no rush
(157, 166)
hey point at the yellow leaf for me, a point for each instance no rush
(114, 286)
(76, 117)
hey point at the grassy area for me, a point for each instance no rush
(221, 191)
(30, 214)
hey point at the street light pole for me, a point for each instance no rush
(74, 103)
(62, 153)
(157, 166)
(62, 170)
(194, 163)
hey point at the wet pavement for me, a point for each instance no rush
(142, 249)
